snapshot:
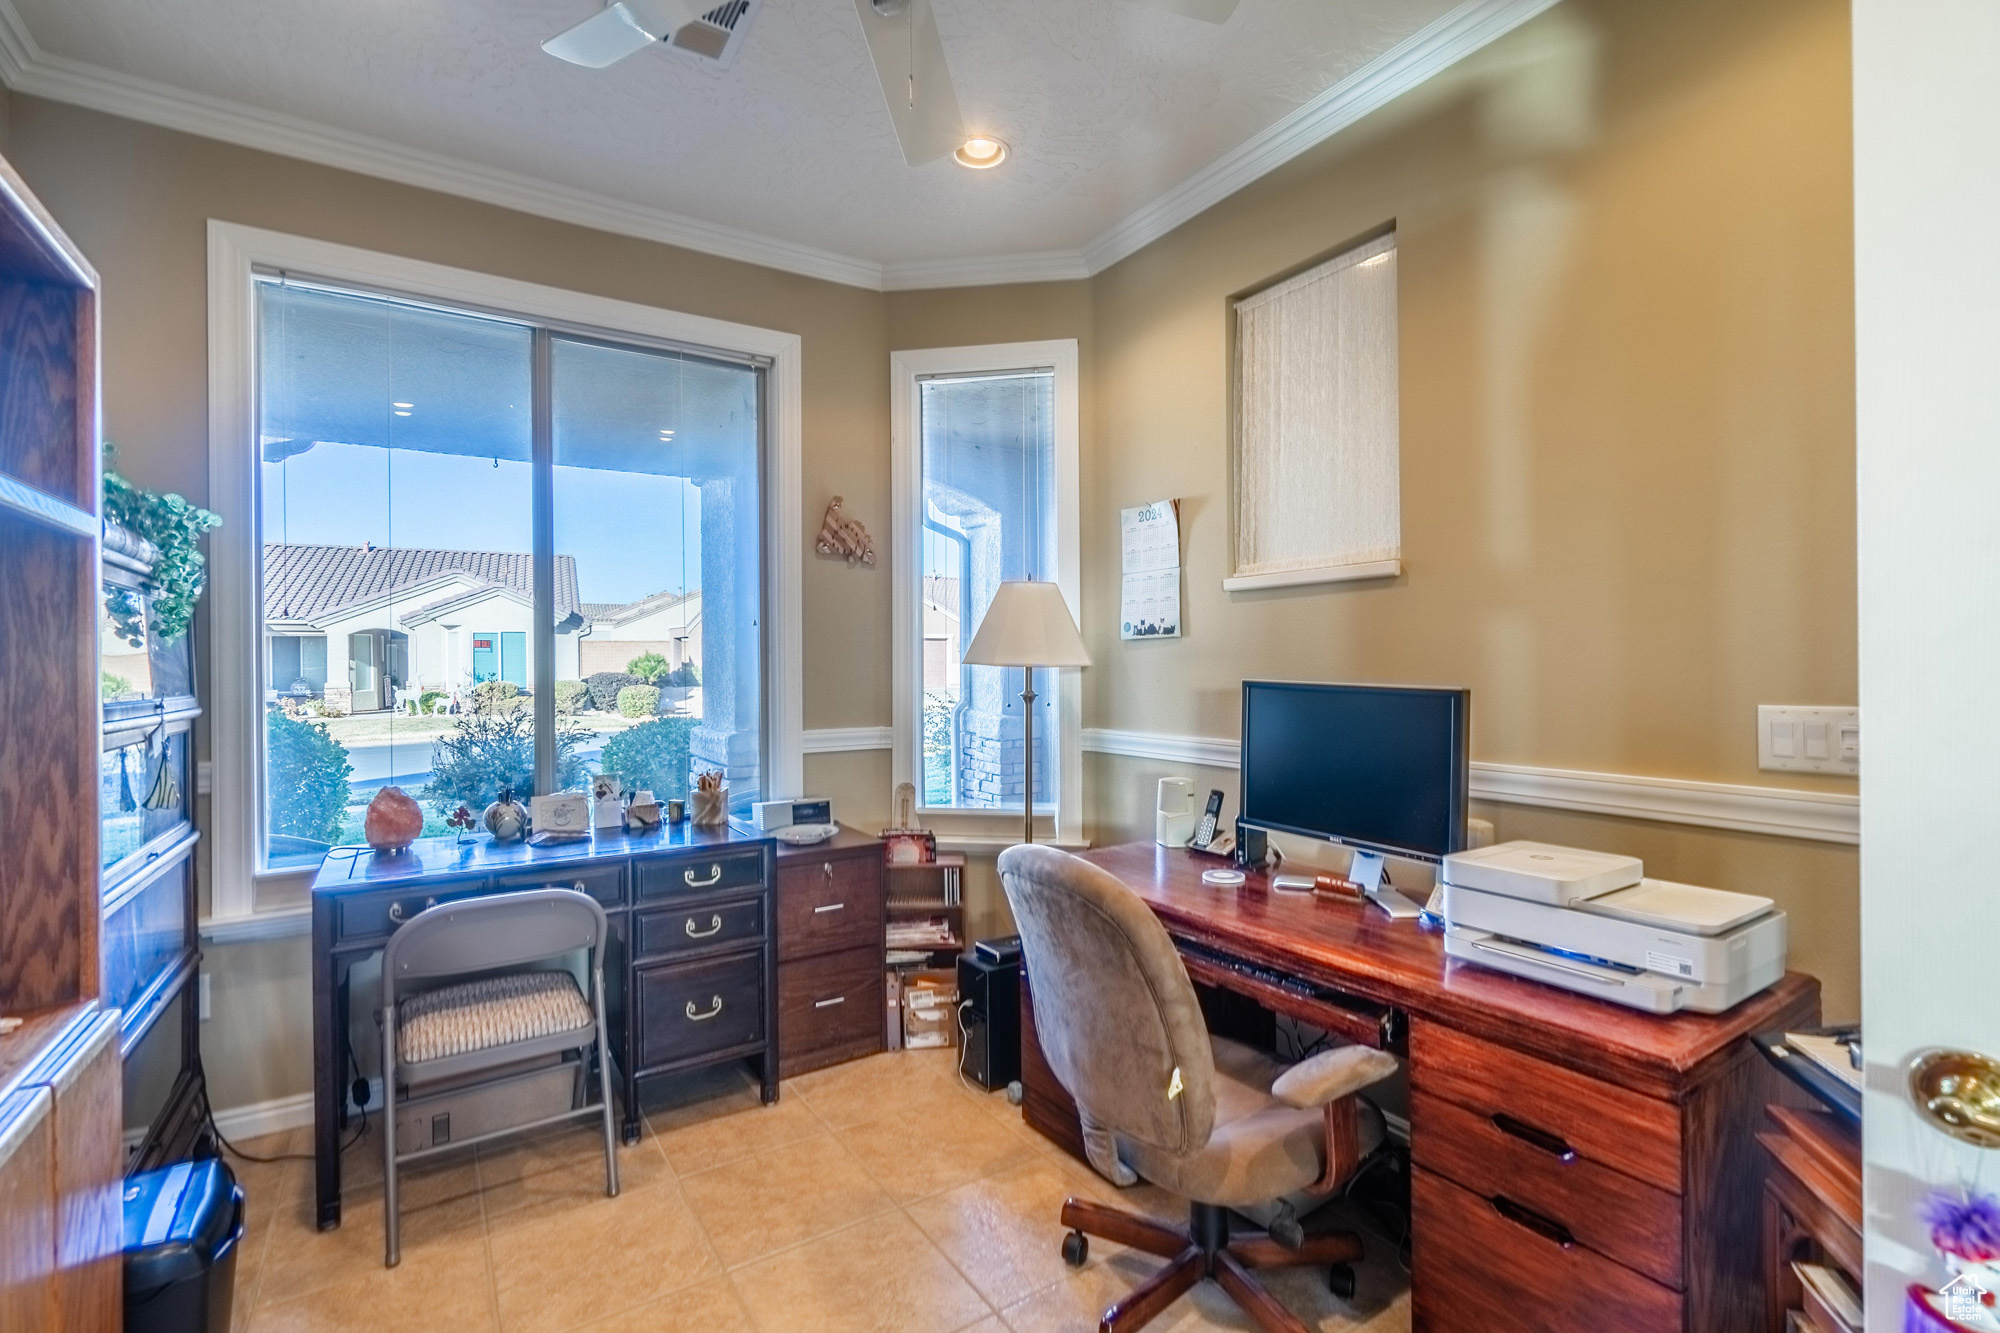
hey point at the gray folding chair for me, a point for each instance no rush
(459, 1010)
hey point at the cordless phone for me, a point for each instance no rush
(1204, 832)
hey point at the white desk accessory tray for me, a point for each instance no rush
(805, 835)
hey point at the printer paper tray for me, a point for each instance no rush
(1641, 990)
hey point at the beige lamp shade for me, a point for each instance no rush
(1027, 625)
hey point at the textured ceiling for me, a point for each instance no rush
(1107, 105)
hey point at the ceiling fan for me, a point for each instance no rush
(902, 40)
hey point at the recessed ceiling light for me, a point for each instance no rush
(402, 414)
(980, 152)
(402, 404)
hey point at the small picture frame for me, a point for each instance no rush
(909, 847)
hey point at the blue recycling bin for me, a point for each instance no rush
(183, 1225)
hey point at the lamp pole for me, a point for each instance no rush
(1028, 740)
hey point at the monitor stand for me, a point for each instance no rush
(1371, 872)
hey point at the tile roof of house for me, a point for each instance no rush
(614, 612)
(304, 582)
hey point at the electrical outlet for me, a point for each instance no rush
(1808, 740)
(204, 1003)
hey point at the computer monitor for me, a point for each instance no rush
(1381, 768)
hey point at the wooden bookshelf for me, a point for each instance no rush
(928, 890)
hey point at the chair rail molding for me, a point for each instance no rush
(1778, 812)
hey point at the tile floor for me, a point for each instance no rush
(880, 1195)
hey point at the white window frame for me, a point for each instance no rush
(235, 641)
(981, 829)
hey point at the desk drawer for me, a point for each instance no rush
(1496, 1265)
(701, 874)
(1611, 1213)
(665, 932)
(604, 883)
(380, 914)
(827, 905)
(688, 1010)
(830, 1009)
(1601, 1122)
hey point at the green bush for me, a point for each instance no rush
(604, 687)
(306, 778)
(113, 686)
(648, 667)
(487, 751)
(572, 696)
(494, 696)
(428, 701)
(639, 700)
(684, 675)
(652, 756)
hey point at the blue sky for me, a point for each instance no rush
(632, 534)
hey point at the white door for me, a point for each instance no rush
(1927, 344)
(364, 670)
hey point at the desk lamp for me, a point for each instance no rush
(1027, 625)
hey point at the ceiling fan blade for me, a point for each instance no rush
(1208, 11)
(619, 30)
(916, 81)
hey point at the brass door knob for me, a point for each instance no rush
(1959, 1093)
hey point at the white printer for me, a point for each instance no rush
(1592, 923)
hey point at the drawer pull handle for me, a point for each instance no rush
(1544, 1227)
(714, 877)
(697, 1016)
(828, 1004)
(1553, 1144)
(828, 907)
(396, 909)
(714, 925)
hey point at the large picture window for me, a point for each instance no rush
(410, 631)
(985, 458)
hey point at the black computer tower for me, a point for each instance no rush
(990, 992)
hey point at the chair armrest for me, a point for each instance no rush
(1331, 1075)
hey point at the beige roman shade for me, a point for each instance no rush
(1318, 495)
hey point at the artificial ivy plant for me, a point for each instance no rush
(174, 527)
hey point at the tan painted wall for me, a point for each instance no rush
(1627, 422)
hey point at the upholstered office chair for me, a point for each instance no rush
(1222, 1124)
(460, 1007)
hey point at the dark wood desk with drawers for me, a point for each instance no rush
(1577, 1165)
(690, 973)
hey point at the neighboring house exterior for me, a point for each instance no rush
(667, 623)
(356, 624)
(941, 635)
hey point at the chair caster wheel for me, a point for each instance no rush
(1341, 1282)
(1014, 1093)
(1287, 1232)
(1075, 1249)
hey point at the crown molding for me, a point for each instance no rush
(26, 68)
(1779, 812)
(1382, 80)
(1041, 266)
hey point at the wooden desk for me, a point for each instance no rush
(1578, 1165)
(691, 918)
(1812, 1203)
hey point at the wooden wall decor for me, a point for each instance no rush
(843, 538)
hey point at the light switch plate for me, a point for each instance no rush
(1808, 740)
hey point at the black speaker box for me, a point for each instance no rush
(990, 993)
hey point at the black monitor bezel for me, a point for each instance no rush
(1461, 795)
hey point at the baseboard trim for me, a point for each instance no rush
(240, 1124)
(1777, 812)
